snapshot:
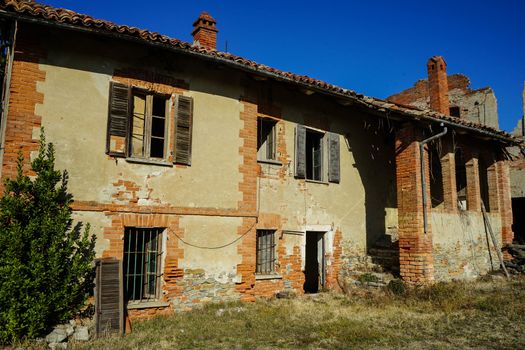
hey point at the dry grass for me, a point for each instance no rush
(479, 315)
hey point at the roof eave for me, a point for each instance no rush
(418, 115)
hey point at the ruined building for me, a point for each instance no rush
(478, 106)
(210, 177)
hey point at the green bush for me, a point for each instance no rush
(368, 278)
(45, 261)
(397, 287)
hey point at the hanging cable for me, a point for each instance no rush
(214, 247)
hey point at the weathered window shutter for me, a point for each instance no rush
(118, 116)
(334, 173)
(109, 296)
(300, 151)
(183, 130)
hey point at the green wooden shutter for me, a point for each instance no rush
(334, 173)
(300, 151)
(183, 130)
(118, 115)
(109, 296)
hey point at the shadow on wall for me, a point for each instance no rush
(372, 143)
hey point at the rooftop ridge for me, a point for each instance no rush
(30, 9)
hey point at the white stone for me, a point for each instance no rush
(56, 336)
(70, 330)
(81, 333)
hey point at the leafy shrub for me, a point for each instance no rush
(45, 261)
(397, 287)
(368, 278)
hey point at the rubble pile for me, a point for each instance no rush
(517, 264)
(72, 331)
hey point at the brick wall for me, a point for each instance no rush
(473, 185)
(419, 96)
(22, 125)
(448, 171)
(505, 202)
(438, 84)
(415, 247)
(205, 31)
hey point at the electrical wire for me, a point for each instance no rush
(214, 247)
(236, 239)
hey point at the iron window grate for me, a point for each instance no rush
(265, 251)
(142, 254)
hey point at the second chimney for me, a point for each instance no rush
(438, 85)
(205, 32)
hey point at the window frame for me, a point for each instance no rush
(323, 157)
(265, 265)
(144, 297)
(263, 147)
(148, 120)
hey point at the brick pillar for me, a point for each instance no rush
(473, 189)
(448, 170)
(505, 202)
(415, 247)
(492, 179)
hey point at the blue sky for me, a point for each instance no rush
(377, 48)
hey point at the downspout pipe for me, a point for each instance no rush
(423, 179)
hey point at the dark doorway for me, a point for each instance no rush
(314, 268)
(518, 213)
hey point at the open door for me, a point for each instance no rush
(315, 266)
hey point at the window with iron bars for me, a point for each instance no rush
(265, 251)
(142, 263)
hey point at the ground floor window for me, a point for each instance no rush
(142, 260)
(265, 251)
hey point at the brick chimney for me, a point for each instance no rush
(438, 85)
(205, 32)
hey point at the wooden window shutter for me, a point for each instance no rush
(300, 151)
(183, 130)
(334, 172)
(118, 118)
(109, 296)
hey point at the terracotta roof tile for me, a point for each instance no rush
(24, 8)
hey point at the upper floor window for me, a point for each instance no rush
(316, 155)
(266, 139)
(149, 126)
(455, 111)
(138, 125)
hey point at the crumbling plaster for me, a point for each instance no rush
(461, 245)
(75, 117)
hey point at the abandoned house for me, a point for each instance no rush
(210, 177)
(475, 105)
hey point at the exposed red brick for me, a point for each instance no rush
(205, 31)
(24, 97)
(448, 171)
(415, 247)
(438, 85)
